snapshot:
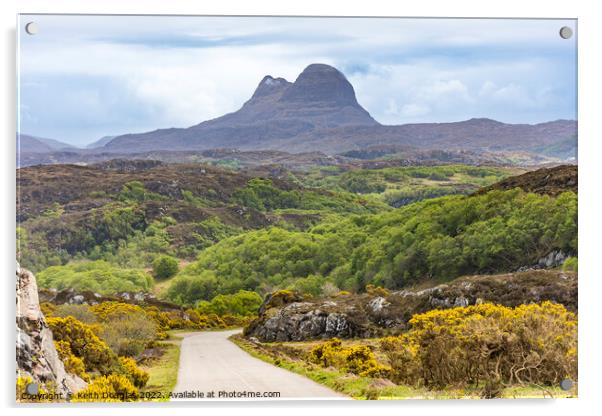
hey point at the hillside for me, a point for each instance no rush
(434, 240)
(100, 142)
(31, 144)
(544, 181)
(136, 209)
(264, 228)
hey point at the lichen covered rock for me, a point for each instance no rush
(292, 318)
(37, 357)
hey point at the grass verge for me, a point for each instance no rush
(163, 371)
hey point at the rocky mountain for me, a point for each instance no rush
(320, 98)
(320, 112)
(285, 316)
(36, 355)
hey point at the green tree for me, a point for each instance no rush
(165, 266)
(97, 276)
(242, 303)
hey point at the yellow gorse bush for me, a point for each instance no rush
(106, 310)
(111, 388)
(376, 290)
(84, 343)
(82, 352)
(486, 343)
(126, 328)
(191, 319)
(357, 359)
(73, 364)
(137, 376)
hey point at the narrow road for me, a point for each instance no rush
(209, 362)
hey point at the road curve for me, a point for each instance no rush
(210, 362)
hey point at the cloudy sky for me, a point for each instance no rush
(84, 77)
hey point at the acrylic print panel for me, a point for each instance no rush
(261, 208)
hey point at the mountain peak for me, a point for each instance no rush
(324, 84)
(320, 68)
(270, 85)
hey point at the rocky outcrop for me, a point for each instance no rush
(71, 296)
(365, 315)
(36, 355)
(553, 259)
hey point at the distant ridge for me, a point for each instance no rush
(319, 111)
(100, 142)
(33, 144)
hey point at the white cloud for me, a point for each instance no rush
(408, 70)
(414, 110)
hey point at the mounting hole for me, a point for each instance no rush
(566, 32)
(31, 28)
(32, 389)
(566, 384)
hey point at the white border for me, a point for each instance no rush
(590, 139)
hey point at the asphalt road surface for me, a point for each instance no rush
(209, 362)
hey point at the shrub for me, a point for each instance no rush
(281, 298)
(112, 388)
(165, 266)
(137, 376)
(490, 344)
(80, 312)
(231, 321)
(212, 321)
(357, 359)
(187, 289)
(570, 264)
(403, 358)
(178, 320)
(126, 328)
(73, 364)
(84, 343)
(343, 293)
(135, 191)
(376, 290)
